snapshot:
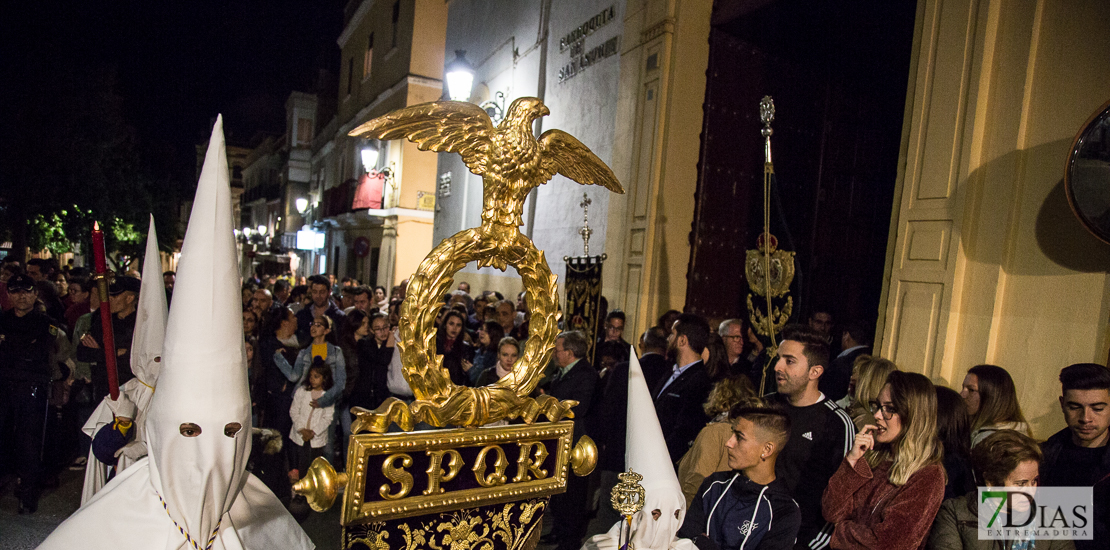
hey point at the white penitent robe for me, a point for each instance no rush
(129, 509)
(646, 454)
(134, 396)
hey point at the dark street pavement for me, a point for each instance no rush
(28, 531)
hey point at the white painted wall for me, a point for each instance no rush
(583, 106)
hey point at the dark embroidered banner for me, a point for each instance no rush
(583, 288)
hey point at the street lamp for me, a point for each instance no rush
(262, 230)
(369, 157)
(302, 205)
(460, 77)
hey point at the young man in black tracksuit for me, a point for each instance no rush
(821, 433)
(747, 508)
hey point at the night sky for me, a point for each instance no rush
(175, 65)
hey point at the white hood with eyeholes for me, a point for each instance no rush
(146, 358)
(646, 454)
(193, 491)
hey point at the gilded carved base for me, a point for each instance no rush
(510, 526)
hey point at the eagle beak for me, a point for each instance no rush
(544, 110)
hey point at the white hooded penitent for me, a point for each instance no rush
(146, 357)
(646, 454)
(192, 491)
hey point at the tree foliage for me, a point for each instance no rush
(68, 158)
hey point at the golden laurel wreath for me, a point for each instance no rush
(511, 162)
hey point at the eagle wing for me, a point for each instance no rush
(441, 126)
(564, 154)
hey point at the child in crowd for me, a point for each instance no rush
(310, 424)
(322, 347)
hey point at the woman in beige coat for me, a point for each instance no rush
(708, 454)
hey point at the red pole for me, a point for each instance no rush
(101, 266)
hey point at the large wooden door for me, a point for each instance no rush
(838, 78)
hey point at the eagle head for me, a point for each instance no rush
(524, 111)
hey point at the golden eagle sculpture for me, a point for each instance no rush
(511, 162)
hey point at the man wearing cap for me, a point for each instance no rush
(27, 346)
(123, 296)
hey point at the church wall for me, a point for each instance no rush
(504, 42)
(987, 263)
(664, 54)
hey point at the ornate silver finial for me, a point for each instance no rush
(767, 115)
(585, 231)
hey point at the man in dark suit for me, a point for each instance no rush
(319, 288)
(680, 396)
(575, 379)
(606, 421)
(653, 356)
(855, 342)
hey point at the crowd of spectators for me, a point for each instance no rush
(822, 444)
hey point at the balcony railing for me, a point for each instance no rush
(352, 195)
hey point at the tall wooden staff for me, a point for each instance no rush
(109, 341)
(768, 269)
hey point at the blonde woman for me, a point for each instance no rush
(992, 402)
(708, 453)
(869, 374)
(890, 486)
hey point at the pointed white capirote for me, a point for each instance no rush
(193, 490)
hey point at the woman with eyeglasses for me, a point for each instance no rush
(869, 374)
(890, 485)
(1003, 459)
(374, 350)
(321, 346)
(992, 402)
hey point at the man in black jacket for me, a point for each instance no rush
(319, 289)
(653, 356)
(1079, 455)
(574, 379)
(821, 433)
(27, 347)
(854, 340)
(123, 299)
(748, 507)
(680, 396)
